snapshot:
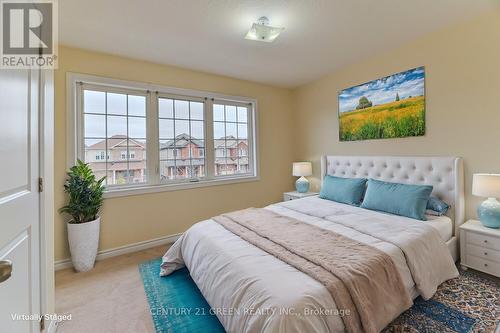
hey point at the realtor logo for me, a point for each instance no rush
(29, 34)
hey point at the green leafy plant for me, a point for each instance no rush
(85, 194)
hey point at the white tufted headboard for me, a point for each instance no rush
(446, 174)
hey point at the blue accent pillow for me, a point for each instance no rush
(399, 199)
(345, 190)
(437, 207)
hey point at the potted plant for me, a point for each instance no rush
(85, 201)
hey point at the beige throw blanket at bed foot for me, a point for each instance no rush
(360, 278)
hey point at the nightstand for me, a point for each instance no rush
(480, 247)
(296, 195)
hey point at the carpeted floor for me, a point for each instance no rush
(469, 303)
(110, 298)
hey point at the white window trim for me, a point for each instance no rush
(75, 133)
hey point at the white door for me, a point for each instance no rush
(19, 201)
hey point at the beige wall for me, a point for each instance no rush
(462, 66)
(132, 219)
(463, 119)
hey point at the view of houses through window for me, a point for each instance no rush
(181, 133)
(115, 136)
(230, 139)
(116, 139)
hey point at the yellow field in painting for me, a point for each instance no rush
(391, 120)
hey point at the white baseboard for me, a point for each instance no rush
(134, 247)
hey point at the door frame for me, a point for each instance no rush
(46, 173)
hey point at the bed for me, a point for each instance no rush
(253, 291)
(445, 173)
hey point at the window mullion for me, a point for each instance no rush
(152, 139)
(190, 171)
(175, 151)
(252, 137)
(80, 131)
(127, 157)
(106, 137)
(209, 138)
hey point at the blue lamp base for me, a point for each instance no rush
(302, 185)
(489, 213)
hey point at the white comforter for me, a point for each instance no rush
(252, 291)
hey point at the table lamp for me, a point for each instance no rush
(487, 185)
(302, 169)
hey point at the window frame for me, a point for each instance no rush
(76, 143)
(82, 85)
(177, 151)
(250, 138)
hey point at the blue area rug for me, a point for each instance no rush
(469, 303)
(175, 302)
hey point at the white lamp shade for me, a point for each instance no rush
(302, 169)
(486, 185)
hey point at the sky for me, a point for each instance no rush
(381, 91)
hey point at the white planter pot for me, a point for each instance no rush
(83, 242)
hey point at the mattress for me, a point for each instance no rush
(442, 224)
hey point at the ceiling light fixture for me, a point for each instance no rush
(261, 30)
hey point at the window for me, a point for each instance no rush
(114, 122)
(181, 134)
(230, 138)
(100, 156)
(220, 152)
(131, 155)
(191, 138)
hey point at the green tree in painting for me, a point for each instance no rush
(363, 103)
(397, 97)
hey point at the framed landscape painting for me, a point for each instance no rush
(390, 107)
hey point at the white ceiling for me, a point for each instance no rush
(320, 36)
